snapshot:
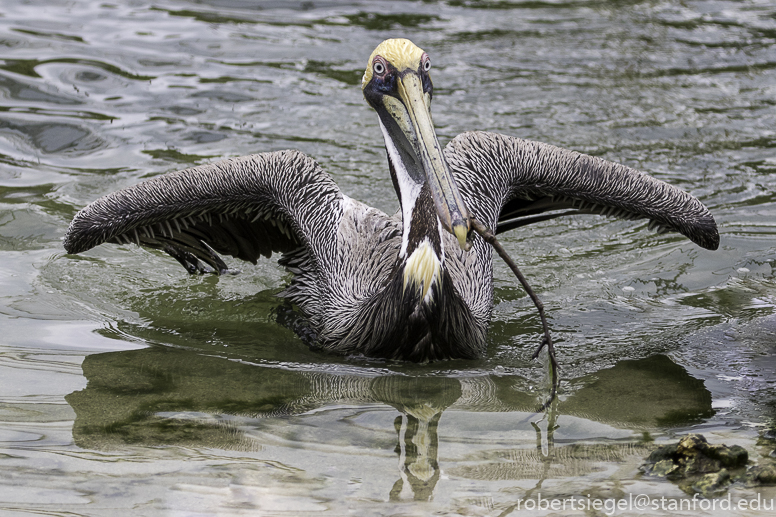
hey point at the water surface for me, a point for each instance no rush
(128, 385)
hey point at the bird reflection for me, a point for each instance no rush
(167, 396)
(421, 402)
(417, 448)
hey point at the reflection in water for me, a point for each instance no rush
(170, 396)
(421, 402)
(418, 444)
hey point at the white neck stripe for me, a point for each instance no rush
(409, 190)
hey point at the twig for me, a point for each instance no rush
(490, 238)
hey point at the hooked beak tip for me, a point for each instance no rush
(461, 231)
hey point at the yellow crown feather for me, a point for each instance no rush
(399, 52)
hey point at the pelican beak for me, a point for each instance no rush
(411, 113)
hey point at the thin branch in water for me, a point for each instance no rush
(490, 238)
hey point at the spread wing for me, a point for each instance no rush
(245, 207)
(509, 182)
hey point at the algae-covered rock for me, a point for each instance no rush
(761, 475)
(691, 445)
(730, 457)
(664, 452)
(714, 484)
(664, 468)
(699, 467)
(768, 439)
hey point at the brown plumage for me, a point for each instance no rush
(410, 286)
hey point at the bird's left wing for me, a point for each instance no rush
(244, 207)
(508, 182)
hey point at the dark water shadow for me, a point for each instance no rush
(161, 396)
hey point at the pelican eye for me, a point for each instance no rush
(378, 67)
(426, 63)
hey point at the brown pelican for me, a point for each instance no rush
(416, 286)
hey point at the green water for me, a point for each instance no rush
(129, 387)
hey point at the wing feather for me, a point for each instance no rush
(509, 182)
(244, 207)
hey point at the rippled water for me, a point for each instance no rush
(129, 385)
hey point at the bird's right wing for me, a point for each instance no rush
(508, 182)
(244, 207)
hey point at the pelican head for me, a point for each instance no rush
(397, 85)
